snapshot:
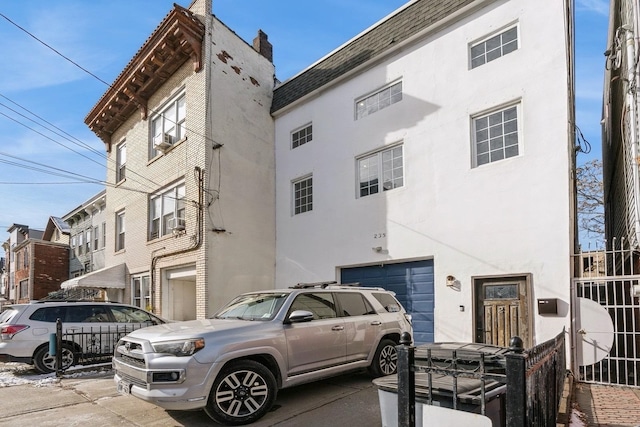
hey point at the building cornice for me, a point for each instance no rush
(177, 39)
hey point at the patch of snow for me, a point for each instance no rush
(13, 374)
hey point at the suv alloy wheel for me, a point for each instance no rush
(243, 392)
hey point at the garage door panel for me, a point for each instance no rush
(413, 284)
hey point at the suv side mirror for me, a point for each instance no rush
(298, 316)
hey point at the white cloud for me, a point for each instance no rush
(600, 7)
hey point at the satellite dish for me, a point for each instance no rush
(595, 332)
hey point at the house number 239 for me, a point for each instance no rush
(379, 235)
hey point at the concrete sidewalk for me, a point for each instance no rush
(350, 400)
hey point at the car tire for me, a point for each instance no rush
(242, 393)
(385, 359)
(45, 363)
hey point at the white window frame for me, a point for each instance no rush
(121, 161)
(302, 203)
(496, 43)
(164, 207)
(162, 124)
(493, 134)
(141, 291)
(302, 135)
(88, 241)
(378, 100)
(80, 243)
(389, 171)
(120, 230)
(96, 236)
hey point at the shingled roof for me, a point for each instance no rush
(375, 42)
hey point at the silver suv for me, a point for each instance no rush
(234, 363)
(25, 329)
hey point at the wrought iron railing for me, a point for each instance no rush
(90, 345)
(529, 382)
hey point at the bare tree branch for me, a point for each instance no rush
(590, 198)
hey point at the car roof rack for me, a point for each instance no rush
(324, 285)
(313, 285)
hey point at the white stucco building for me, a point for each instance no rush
(432, 154)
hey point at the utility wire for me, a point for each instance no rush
(66, 174)
(79, 142)
(68, 59)
(98, 78)
(51, 139)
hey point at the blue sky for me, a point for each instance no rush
(103, 35)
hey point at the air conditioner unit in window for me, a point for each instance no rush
(162, 142)
(177, 225)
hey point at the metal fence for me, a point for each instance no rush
(607, 340)
(529, 382)
(90, 345)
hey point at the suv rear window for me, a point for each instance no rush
(354, 304)
(388, 302)
(7, 315)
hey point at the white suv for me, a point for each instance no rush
(233, 364)
(25, 329)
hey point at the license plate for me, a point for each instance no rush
(124, 387)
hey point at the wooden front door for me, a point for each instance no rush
(502, 310)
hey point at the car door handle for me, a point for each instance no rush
(338, 328)
(376, 323)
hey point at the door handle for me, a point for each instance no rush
(376, 323)
(338, 328)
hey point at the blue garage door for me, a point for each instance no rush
(413, 284)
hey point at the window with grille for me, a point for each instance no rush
(494, 47)
(496, 136)
(380, 171)
(379, 100)
(303, 195)
(301, 136)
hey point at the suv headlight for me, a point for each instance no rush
(180, 347)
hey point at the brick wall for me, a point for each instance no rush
(50, 268)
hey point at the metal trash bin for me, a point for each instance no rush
(469, 393)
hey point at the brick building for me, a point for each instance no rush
(41, 266)
(194, 100)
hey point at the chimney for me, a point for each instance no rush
(262, 46)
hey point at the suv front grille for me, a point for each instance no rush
(139, 363)
(133, 380)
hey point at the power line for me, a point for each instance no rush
(66, 174)
(79, 143)
(68, 59)
(98, 78)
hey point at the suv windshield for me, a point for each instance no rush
(253, 307)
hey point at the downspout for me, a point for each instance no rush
(632, 63)
(198, 239)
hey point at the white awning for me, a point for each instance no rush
(109, 277)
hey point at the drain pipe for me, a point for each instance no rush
(198, 236)
(634, 80)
